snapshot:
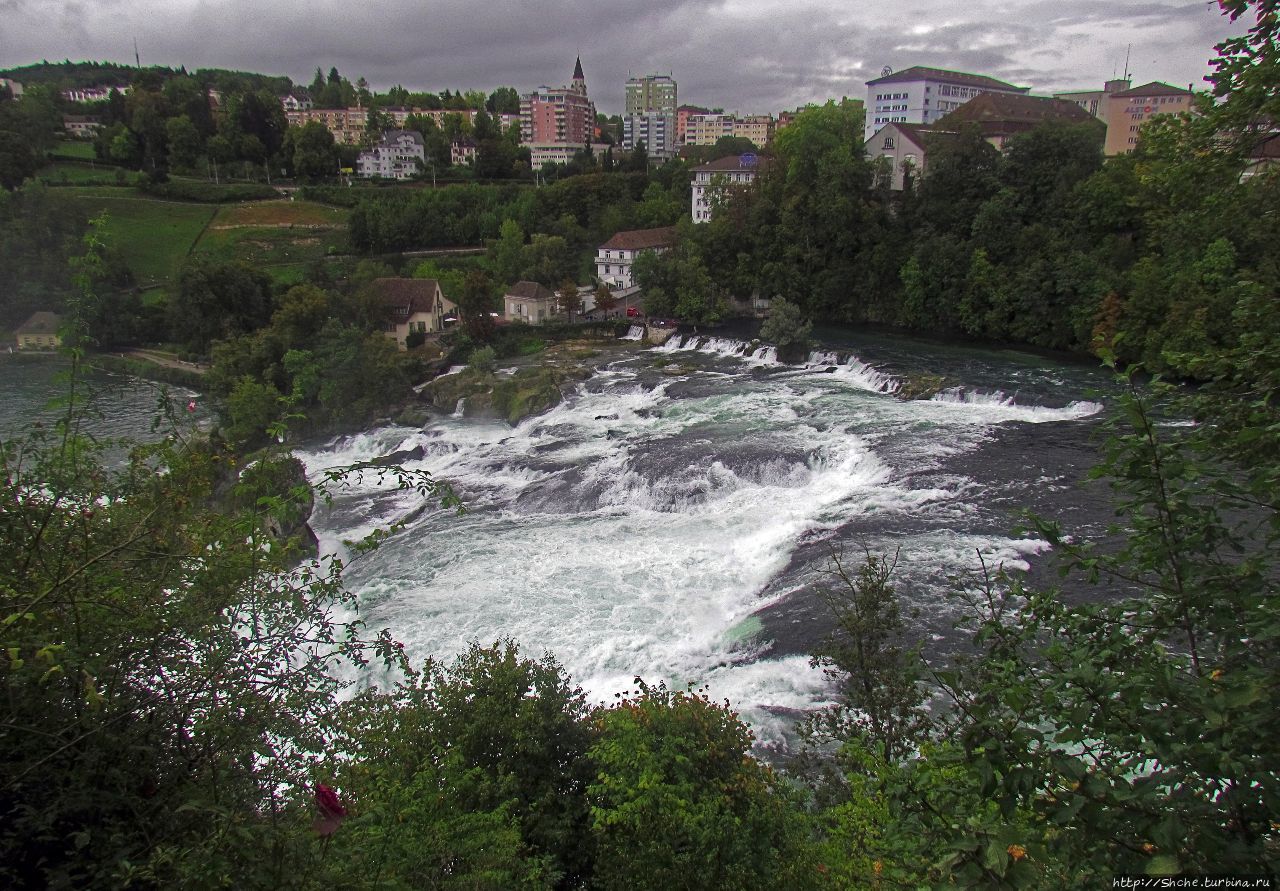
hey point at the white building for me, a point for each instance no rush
(921, 95)
(656, 131)
(296, 103)
(462, 151)
(399, 155)
(92, 94)
(15, 88)
(615, 256)
(711, 181)
(560, 152)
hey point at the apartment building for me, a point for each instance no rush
(706, 129)
(711, 181)
(399, 155)
(563, 115)
(651, 115)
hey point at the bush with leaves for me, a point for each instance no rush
(166, 680)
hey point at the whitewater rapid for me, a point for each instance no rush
(640, 527)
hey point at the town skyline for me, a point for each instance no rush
(721, 54)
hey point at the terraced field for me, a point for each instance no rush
(156, 236)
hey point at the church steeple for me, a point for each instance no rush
(577, 70)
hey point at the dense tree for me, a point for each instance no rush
(678, 801)
(218, 300)
(311, 151)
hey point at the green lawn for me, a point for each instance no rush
(279, 236)
(74, 148)
(154, 236)
(80, 172)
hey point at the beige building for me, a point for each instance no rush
(706, 129)
(348, 125)
(529, 302)
(1129, 110)
(413, 306)
(897, 152)
(1095, 101)
(756, 127)
(40, 332)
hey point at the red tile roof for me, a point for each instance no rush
(641, 239)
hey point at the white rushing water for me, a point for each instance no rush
(636, 528)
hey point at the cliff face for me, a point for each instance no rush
(275, 487)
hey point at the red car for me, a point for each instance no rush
(632, 312)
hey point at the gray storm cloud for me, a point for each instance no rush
(744, 57)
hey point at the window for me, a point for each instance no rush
(888, 142)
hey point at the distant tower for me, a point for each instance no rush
(558, 115)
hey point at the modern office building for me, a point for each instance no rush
(1128, 110)
(920, 95)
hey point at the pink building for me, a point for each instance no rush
(682, 120)
(561, 115)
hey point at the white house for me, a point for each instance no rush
(399, 155)
(529, 302)
(15, 88)
(920, 95)
(718, 177)
(615, 256)
(897, 150)
(293, 102)
(413, 306)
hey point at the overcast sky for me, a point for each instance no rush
(746, 56)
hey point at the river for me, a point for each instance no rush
(671, 517)
(117, 409)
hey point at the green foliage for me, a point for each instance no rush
(483, 359)
(678, 802)
(787, 329)
(217, 301)
(158, 707)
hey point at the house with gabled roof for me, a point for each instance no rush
(412, 306)
(40, 332)
(1001, 116)
(529, 302)
(615, 256)
(897, 152)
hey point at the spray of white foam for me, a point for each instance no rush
(633, 532)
